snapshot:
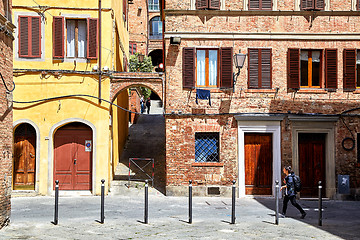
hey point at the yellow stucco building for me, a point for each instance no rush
(62, 131)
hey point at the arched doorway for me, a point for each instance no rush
(73, 157)
(24, 157)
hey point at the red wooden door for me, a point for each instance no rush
(311, 163)
(24, 157)
(72, 163)
(258, 163)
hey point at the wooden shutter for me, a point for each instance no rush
(58, 37)
(266, 4)
(226, 67)
(202, 4)
(214, 4)
(254, 4)
(35, 37)
(92, 38)
(319, 4)
(293, 68)
(349, 69)
(188, 69)
(331, 68)
(253, 69)
(307, 4)
(266, 70)
(24, 36)
(358, 8)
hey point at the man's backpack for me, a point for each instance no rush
(297, 183)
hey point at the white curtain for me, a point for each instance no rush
(70, 46)
(82, 39)
(200, 76)
(212, 67)
(316, 56)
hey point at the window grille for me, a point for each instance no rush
(206, 147)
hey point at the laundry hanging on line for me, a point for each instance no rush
(203, 94)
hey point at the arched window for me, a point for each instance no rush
(155, 28)
(154, 5)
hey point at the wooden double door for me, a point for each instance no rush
(258, 163)
(312, 163)
(24, 157)
(72, 158)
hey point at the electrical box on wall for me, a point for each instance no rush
(343, 184)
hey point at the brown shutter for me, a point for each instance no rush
(254, 4)
(253, 69)
(214, 4)
(266, 4)
(293, 68)
(307, 4)
(319, 4)
(358, 4)
(188, 69)
(23, 36)
(226, 67)
(35, 37)
(331, 68)
(202, 4)
(349, 69)
(92, 40)
(58, 37)
(266, 68)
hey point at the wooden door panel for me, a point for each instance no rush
(258, 164)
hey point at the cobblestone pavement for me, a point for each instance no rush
(31, 219)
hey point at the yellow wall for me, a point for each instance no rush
(47, 115)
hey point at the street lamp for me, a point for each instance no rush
(239, 60)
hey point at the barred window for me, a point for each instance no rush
(207, 147)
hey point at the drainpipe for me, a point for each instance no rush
(100, 70)
(147, 27)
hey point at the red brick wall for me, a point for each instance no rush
(138, 24)
(6, 118)
(134, 103)
(180, 131)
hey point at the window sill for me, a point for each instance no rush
(260, 91)
(312, 91)
(357, 91)
(207, 164)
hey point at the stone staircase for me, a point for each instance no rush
(146, 140)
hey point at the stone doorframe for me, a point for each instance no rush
(313, 124)
(259, 123)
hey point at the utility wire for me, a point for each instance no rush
(2, 78)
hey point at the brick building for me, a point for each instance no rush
(6, 117)
(294, 102)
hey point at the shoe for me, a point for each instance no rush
(303, 215)
(281, 215)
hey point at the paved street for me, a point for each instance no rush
(32, 216)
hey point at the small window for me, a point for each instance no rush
(132, 48)
(207, 67)
(207, 147)
(260, 4)
(310, 68)
(208, 4)
(259, 68)
(312, 4)
(357, 68)
(76, 31)
(154, 5)
(29, 37)
(155, 28)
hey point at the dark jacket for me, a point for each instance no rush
(290, 185)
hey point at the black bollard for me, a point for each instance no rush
(233, 203)
(102, 214)
(56, 214)
(277, 202)
(320, 204)
(190, 201)
(146, 216)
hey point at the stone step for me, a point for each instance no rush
(132, 188)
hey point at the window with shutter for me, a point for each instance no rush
(358, 4)
(293, 68)
(260, 69)
(92, 36)
(331, 68)
(188, 69)
(349, 69)
(226, 67)
(208, 4)
(312, 4)
(58, 37)
(260, 4)
(29, 36)
(311, 68)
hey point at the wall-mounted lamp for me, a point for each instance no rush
(95, 68)
(239, 60)
(175, 40)
(106, 68)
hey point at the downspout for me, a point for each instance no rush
(100, 70)
(147, 27)
(162, 7)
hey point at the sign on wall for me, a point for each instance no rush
(88, 145)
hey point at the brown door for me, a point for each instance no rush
(258, 163)
(73, 162)
(311, 163)
(24, 157)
